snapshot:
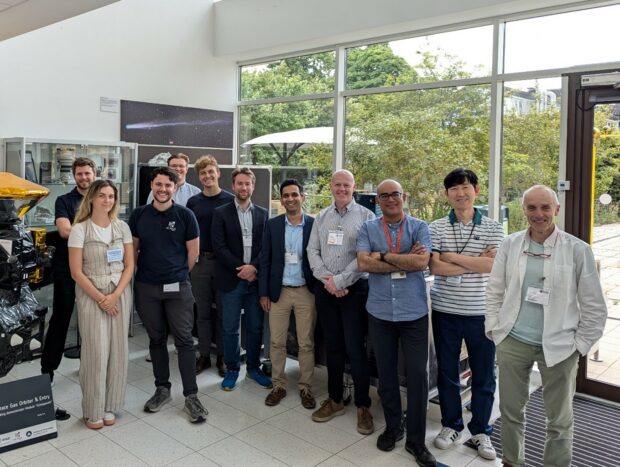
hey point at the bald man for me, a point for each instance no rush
(341, 300)
(545, 305)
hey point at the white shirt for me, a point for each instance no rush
(575, 316)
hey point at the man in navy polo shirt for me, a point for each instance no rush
(166, 240)
(395, 250)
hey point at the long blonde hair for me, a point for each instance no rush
(86, 207)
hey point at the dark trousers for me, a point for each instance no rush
(162, 311)
(449, 330)
(413, 337)
(63, 303)
(208, 320)
(344, 323)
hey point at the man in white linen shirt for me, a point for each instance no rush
(545, 305)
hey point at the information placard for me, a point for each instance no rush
(26, 412)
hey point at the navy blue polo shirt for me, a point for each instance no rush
(163, 254)
(203, 206)
(66, 206)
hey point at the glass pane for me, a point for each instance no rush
(418, 137)
(604, 361)
(451, 55)
(305, 155)
(296, 76)
(531, 143)
(563, 40)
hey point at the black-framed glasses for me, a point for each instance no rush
(537, 255)
(386, 196)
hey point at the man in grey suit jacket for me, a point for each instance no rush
(286, 283)
(237, 233)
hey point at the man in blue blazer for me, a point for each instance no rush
(286, 283)
(237, 233)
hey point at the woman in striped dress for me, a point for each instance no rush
(101, 258)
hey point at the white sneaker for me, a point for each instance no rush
(485, 448)
(446, 438)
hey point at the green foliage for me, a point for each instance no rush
(374, 66)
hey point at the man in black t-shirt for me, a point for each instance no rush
(165, 237)
(65, 210)
(209, 321)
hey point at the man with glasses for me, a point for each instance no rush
(179, 163)
(395, 250)
(545, 305)
(464, 246)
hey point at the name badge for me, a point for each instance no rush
(174, 287)
(454, 280)
(538, 296)
(115, 254)
(399, 275)
(247, 240)
(335, 237)
(290, 258)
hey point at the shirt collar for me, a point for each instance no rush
(251, 205)
(550, 241)
(477, 217)
(301, 224)
(348, 207)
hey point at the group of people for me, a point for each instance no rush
(534, 297)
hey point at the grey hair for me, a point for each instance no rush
(553, 194)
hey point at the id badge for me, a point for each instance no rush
(247, 240)
(398, 275)
(454, 280)
(174, 287)
(335, 237)
(537, 295)
(290, 258)
(115, 254)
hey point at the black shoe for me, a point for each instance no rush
(202, 363)
(221, 366)
(422, 455)
(387, 440)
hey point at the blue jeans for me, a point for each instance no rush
(243, 296)
(449, 330)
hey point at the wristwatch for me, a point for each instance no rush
(382, 255)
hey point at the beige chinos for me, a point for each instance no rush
(104, 354)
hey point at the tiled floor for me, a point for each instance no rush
(240, 429)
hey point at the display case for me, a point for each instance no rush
(48, 163)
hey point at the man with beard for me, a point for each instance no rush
(180, 164)
(64, 286)
(237, 237)
(209, 323)
(166, 242)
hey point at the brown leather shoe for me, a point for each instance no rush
(328, 410)
(202, 363)
(221, 366)
(275, 396)
(307, 399)
(365, 425)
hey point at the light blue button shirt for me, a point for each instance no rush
(293, 243)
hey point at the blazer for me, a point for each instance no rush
(228, 243)
(271, 261)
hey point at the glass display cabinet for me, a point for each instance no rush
(48, 163)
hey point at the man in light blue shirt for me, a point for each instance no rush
(179, 163)
(395, 250)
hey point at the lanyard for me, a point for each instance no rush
(468, 238)
(398, 237)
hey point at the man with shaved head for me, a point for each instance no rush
(341, 301)
(395, 250)
(545, 305)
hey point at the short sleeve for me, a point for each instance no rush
(363, 240)
(192, 230)
(60, 208)
(435, 234)
(133, 222)
(127, 237)
(497, 235)
(76, 237)
(423, 236)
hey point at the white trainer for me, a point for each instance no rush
(484, 445)
(446, 438)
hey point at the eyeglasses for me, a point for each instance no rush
(386, 196)
(537, 255)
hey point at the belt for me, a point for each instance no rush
(208, 254)
(294, 286)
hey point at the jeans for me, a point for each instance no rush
(243, 296)
(413, 337)
(159, 312)
(449, 330)
(344, 323)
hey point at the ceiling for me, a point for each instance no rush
(21, 16)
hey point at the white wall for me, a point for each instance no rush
(257, 28)
(143, 50)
